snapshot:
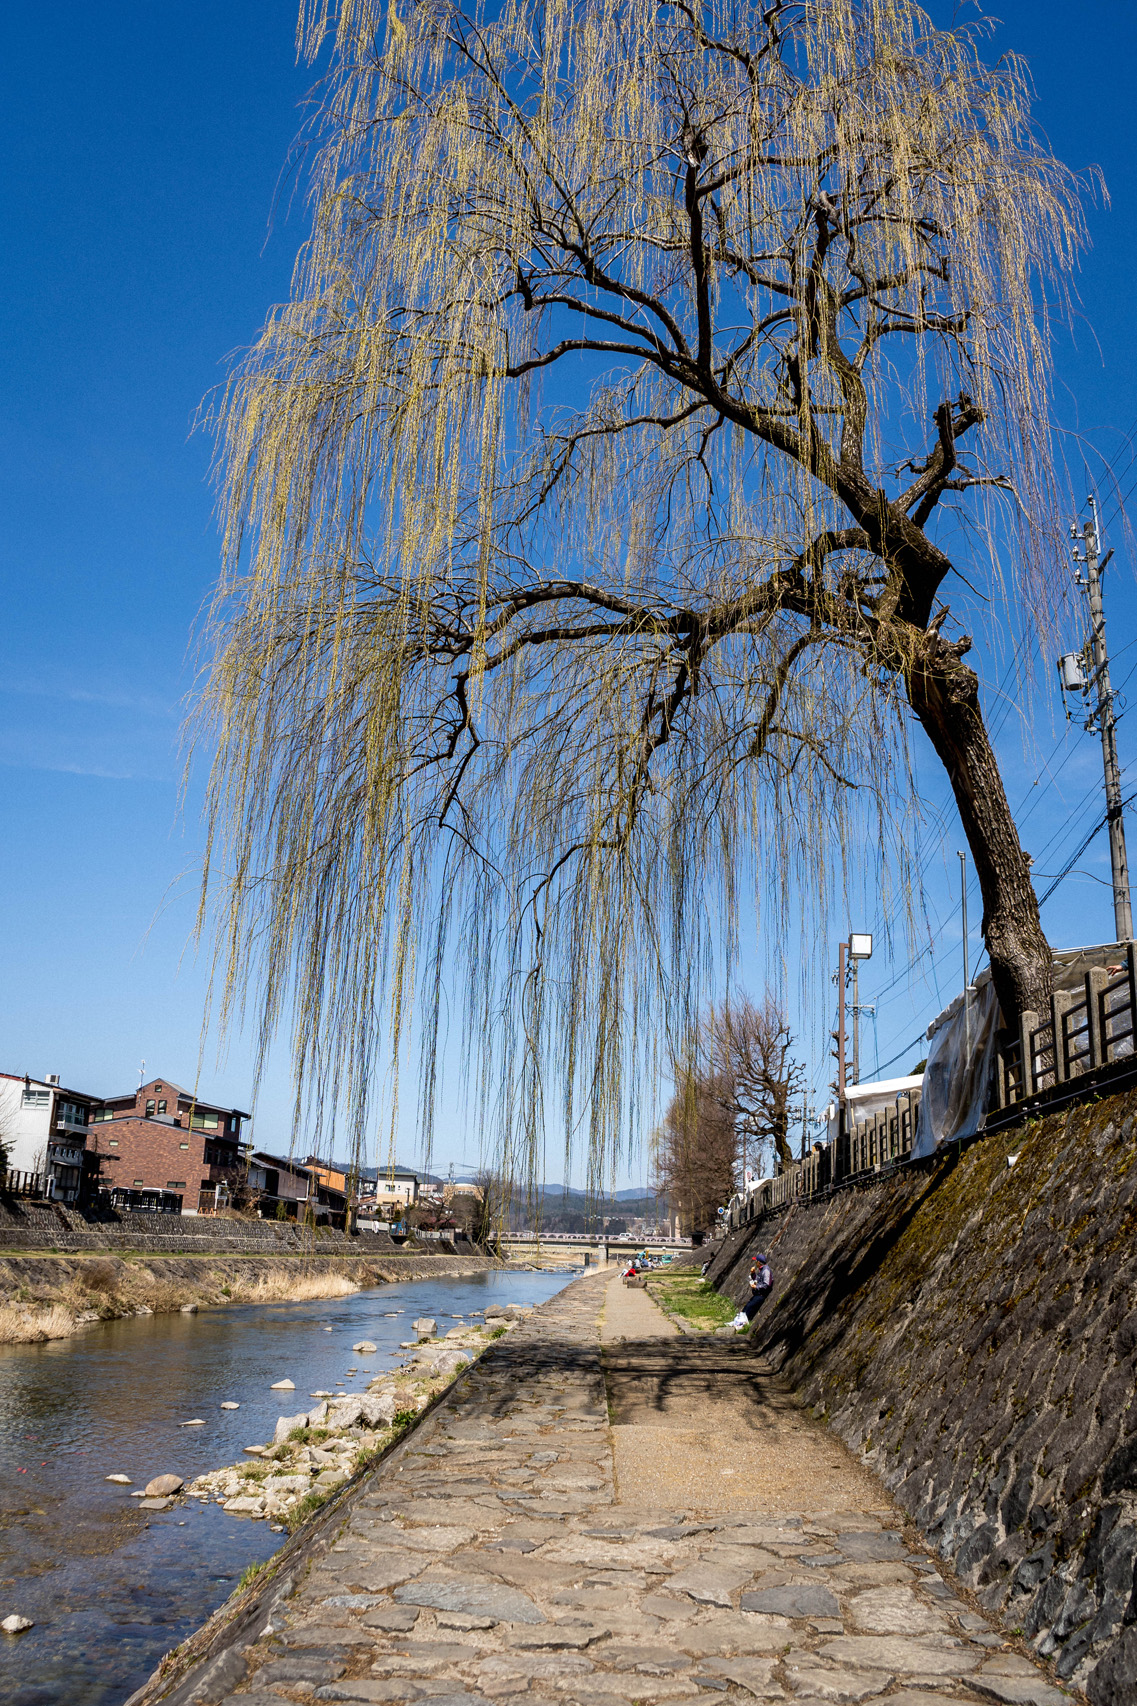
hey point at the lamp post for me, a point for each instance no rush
(860, 948)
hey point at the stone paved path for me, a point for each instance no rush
(499, 1557)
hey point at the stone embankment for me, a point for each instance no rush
(971, 1327)
(53, 1297)
(518, 1546)
(313, 1452)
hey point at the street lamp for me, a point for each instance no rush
(860, 948)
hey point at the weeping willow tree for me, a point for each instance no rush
(590, 511)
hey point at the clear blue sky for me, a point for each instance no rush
(143, 145)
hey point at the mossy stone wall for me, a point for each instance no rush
(970, 1326)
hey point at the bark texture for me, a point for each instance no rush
(944, 693)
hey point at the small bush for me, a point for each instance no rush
(308, 1436)
(99, 1276)
(403, 1419)
(251, 1573)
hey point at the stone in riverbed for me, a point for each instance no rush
(197, 1422)
(120, 1480)
(16, 1625)
(230, 1406)
(287, 1424)
(189, 1309)
(162, 1485)
(148, 1504)
(365, 1347)
(426, 1327)
(476, 1598)
(283, 1386)
(245, 1505)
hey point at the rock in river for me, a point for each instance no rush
(283, 1386)
(365, 1347)
(15, 1625)
(122, 1480)
(230, 1406)
(425, 1328)
(162, 1485)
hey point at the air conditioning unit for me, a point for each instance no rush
(51, 1078)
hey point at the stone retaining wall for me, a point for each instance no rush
(41, 1226)
(971, 1326)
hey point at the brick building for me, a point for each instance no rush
(162, 1147)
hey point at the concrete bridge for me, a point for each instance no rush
(541, 1245)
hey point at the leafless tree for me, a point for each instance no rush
(753, 1072)
(653, 375)
(696, 1153)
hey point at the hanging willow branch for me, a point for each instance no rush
(580, 520)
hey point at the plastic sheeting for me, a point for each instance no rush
(961, 1051)
(961, 1054)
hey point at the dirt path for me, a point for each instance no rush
(698, 1422)
(499, 1557)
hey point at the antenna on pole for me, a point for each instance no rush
(141, 1072)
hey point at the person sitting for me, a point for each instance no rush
(760, 1282)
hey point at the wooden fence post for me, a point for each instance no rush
(1060, 1004)
(1096, 1018)
(1028, 1024)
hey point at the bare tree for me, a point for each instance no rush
(755, 1076)
(696, 1153)
(590, 510)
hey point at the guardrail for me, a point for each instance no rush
(874, 1144)
(1085, 1030)
(15, 1183)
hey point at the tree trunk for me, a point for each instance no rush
(944, 694)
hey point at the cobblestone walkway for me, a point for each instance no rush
(496, 1558)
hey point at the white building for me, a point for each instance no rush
(43, 1128)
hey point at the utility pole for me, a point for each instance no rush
(860, 948)
(1103, 712)
(839, 1033)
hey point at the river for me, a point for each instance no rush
(111, 1587)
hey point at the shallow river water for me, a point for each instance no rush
(111, 1587)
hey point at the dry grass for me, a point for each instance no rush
(277, 1286)
(28, 1326)
(114, 1288)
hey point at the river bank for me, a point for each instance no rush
(606, 1510)
(46, 1297)
(111, 1585)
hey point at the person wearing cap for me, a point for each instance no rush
(761, 1280)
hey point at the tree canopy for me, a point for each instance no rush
(584, 532)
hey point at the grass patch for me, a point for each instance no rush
(694, 1298)
(308, 1436)
(251, 1573)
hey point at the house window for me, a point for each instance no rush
(112, 1142)
(36, 1098)
(183, 1145)
(205, 1122)
(98, 1114)
(149, 1109)
(139, 1181)
(162, 1107)
(175, 1184)
(157, 1086)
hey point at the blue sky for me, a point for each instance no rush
(143, 149)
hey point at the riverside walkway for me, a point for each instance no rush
(610, 1512)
